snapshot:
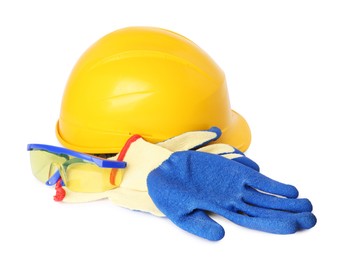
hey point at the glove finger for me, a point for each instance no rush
(199, 223)
(219, 149)
(257, 198)
(191, 140)
(231, 153)
(288, 224)
(265, 184)
(247, 162)
(255, 211)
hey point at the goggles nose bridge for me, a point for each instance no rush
(56, 170)
(59, 169)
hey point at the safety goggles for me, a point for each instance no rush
(79, 172)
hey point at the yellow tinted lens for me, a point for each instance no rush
(87, 177)
(41, 162)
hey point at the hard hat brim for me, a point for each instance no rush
(238, 133)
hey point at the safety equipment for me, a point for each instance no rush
(190, 183)
(132, 192)
(185, 185)
(79, 172)
(147, 81)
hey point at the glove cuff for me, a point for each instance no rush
(141, 157)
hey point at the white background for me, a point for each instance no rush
(285, 66)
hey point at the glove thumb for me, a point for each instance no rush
(199, 223)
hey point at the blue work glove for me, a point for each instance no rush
(191, 183)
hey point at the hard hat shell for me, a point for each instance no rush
(146, 81)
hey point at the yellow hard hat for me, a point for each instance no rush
(146, 81)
